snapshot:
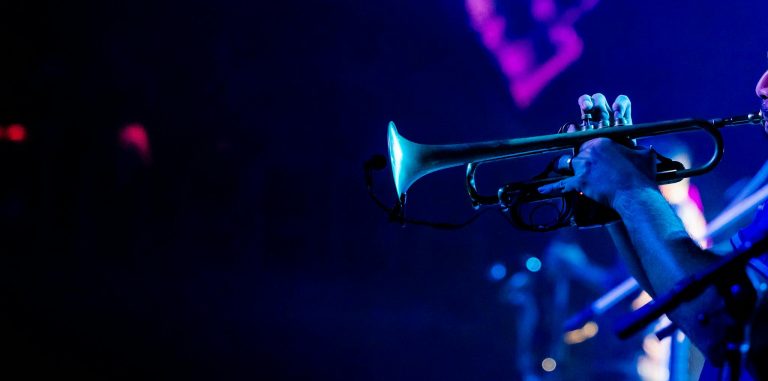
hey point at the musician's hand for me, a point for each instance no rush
(602, 168)
(602, 115)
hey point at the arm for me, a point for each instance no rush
(652, 240)
(661, 245)
(628, 254)
(666, 255)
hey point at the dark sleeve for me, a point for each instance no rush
(757, 363)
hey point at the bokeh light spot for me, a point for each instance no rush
(16, 133)
(498, 271)
(548, 364)
(533, 264)
(134, 137)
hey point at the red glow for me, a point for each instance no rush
(134, 137)
(16, 133)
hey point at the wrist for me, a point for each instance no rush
(645, 208)
(623, 201)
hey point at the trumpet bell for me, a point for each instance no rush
(411, 161)
(402, 153)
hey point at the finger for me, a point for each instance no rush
(569, 127)
(643, 150)
(643, 157)
(622, 110)
(585, 104)
(600, 111)
(556, 187)
(550, 188)
(601, 148)
(580, 164)
(647, 153)
(596, 146)
(572, 184)
(563, 165)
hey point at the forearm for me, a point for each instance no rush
(663, 248)
(666, 255)
(629, 255)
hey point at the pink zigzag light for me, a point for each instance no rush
(517, 57)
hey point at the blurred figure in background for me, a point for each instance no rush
(544, 292)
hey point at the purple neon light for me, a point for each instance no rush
(516, 57)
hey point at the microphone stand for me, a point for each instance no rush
(624, 290)
(690, 288)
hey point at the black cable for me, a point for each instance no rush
(379, 162)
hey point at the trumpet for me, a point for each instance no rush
(411, 161)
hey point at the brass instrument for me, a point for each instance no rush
(411, 161)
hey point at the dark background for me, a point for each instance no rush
(249, 247)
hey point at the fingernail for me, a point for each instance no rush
(544, 189)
